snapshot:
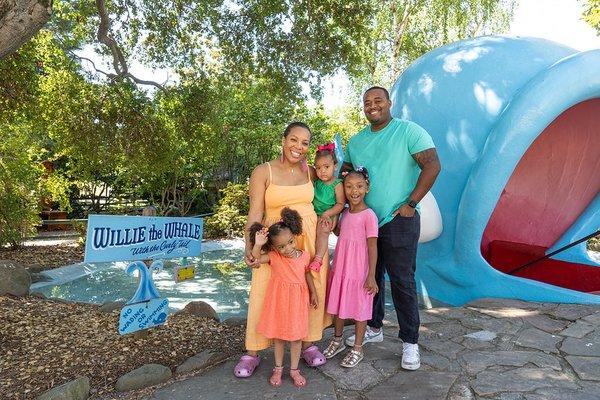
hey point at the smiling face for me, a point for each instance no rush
(295, 144)
(356, 188)
(325, 167)
(376, 107)
(284, 243)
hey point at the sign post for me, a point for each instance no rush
(125, 238)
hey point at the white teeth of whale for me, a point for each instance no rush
(431, 219)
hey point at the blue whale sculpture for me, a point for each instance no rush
(515, 122)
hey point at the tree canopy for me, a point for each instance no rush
(244, 69)
(591, 14)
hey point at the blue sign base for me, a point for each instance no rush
(144, 315)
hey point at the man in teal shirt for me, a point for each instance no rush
(403, 165)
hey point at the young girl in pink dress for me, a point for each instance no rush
(352, 280)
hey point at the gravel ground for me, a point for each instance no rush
(45, 343)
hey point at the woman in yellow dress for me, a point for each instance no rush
(285, 182)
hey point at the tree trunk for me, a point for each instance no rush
(20, 20)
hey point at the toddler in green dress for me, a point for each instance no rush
(329, 199)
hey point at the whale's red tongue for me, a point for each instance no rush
(553, 183)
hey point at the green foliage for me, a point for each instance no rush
(591, 14)
(22, 182)
(56, 187)
(403, 30)
(81, 228)
(290, 42)
(19, 188)
(109, 136)
(240, 67)
(230, 213)
(346, 121)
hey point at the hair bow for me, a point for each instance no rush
(363, 170)
(328, 146)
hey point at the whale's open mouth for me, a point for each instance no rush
(554, 182)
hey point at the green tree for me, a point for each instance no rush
(108, 136)
(591, 14)
(23, 184)
(403, 30)
(288, 41)
(239, 64)
(19, 187)
(219, 129)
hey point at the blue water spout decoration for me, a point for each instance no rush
(146, 290)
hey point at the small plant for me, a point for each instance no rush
(81, 228)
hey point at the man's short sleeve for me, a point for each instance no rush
(419, 139)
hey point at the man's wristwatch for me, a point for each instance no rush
(412, 204)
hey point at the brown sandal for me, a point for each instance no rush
(275, 379)
(299, 380)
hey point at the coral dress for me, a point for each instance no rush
(285, 308)
(299, 198)
(346, 295)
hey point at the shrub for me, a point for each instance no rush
(81, 228)
(19, 190)
(230, 214)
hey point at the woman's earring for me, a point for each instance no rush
(281, 158)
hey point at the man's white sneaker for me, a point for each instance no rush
(410, 356)
(370, 337)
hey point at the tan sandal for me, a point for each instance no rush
(299, 380)
(353, 357)
(335, 347)
(275, 379)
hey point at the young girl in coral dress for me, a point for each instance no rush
(352, 281)
(290, 292)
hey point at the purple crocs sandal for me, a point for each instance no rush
(246, 366)
(313, 356)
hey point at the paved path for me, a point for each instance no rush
(489, 349)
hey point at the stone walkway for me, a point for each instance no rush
(488, 349)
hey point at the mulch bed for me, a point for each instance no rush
(39, 258)
(45, 343)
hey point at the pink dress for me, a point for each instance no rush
(346, 296)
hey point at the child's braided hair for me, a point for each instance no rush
(360, 171)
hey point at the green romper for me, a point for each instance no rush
(324, 196)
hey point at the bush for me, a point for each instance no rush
(19, 190)
(81, 228)
(230, 214)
